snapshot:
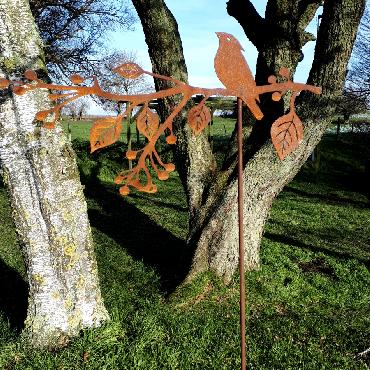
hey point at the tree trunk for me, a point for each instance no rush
(46, 195)
(193, 155)
(213, 229)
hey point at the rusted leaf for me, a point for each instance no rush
(41, 116)
(30, 75)
(147, 122)
(286, 134)
(104, 132)
(55, 96)
(129, 70)
(4, 83)
(76, 79)
(198, 118)
(19, 90)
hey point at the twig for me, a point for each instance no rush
(363, 353)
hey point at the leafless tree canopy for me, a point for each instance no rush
(77, 109)
(74, 31)
(359, 74)
(115, 83)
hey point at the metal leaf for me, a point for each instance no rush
(19, 90)
(129, 70)
(42, 115)
(30, 75)
(104, 132)
(286, 134)
(4, 83)
(76, 79)
(147, 122)
(54, 97)
(198, 118)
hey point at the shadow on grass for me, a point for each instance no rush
(296, 243)
(327, 198)
(13, 296)
(158, 202)
(139, 235)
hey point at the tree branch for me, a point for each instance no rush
(306, 11)
(248, 17)
(363, 353)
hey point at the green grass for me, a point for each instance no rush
(308, 306)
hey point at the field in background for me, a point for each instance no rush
(308, 306)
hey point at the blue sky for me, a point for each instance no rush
(198, 20)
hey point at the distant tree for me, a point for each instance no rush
(350, 103)
(71, 110)
(82, 108)
(113, 82)
(74, 31)
(358, 81)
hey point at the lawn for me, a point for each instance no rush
(308, 306)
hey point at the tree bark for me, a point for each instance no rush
(49, 209)
(195, 161)
(213, 229)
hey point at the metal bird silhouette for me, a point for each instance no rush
(233, 71)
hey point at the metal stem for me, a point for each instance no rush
(241, 236)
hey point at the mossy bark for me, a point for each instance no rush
(212, 194)
(194, 159)
(49, 209)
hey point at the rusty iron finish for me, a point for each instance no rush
(241, 235)
(232, 70)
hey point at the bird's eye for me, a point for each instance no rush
(228, 39)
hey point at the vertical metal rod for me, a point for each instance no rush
(241, 235)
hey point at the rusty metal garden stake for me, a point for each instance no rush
(232, 70)
(241, 236)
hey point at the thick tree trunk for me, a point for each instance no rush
(264, 175)
(213, 221)
(49, 208)
(194, 159)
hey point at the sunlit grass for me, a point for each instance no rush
(308, 306)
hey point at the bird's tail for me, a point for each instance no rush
(253, 106)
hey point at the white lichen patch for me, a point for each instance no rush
(49, 209)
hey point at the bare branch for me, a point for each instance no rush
(306, 11)
(251, 21)
(363, 353)
(73, 31)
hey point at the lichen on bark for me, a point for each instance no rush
(211, 193)
(49, 209)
